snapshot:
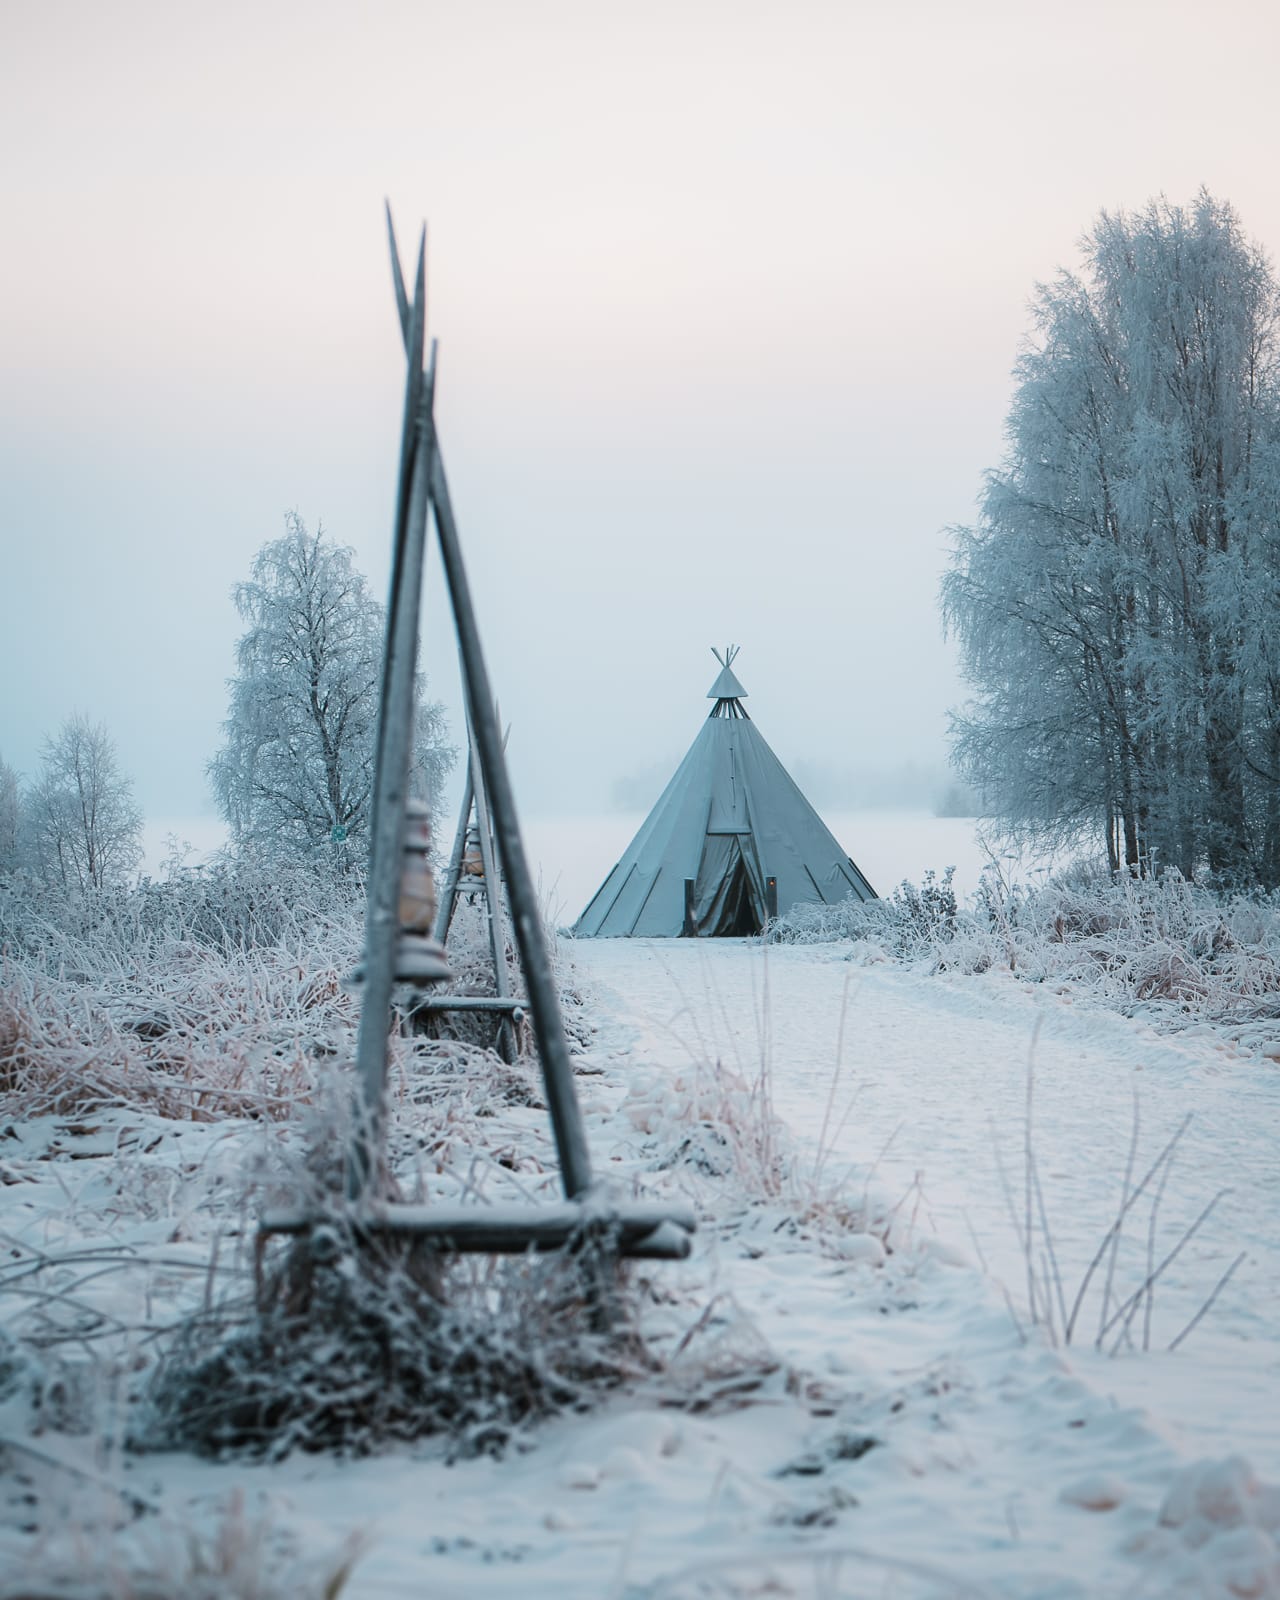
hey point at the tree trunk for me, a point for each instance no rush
(1228, 830)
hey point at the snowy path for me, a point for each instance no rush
(932, 1065)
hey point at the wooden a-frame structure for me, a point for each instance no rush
(396, 952)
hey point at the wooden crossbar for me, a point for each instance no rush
(655, 1231)
(471, 1002)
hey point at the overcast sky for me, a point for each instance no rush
(727, 299)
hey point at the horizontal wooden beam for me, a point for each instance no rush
(639, 1229)
(471, 1002)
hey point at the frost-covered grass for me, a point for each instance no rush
(234, 906)
(205, 997)
(1061, 1305)
(713, 1120)
(217, 993)
(1178, 951)
(218, 998)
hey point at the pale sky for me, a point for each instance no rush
(727, 298)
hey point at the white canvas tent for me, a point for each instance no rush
(730, 843)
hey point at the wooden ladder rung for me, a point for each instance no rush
(639, 1229)
(472, 1002)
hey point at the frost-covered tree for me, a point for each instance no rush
(296, 770)
(80, 825)
(1116, 605)
(8, 817)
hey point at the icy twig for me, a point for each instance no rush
(1124, 1207)
(1127, 1308)
(1028, 1168)
(1118, 1222)
(1053, 1274)
(1204, 1310)
(1149, 1308)
(823, 1148)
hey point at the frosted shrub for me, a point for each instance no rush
(235, 906)
(212, 995)
(911, 922)
(1175, 946)
(715, 1120)
(353, 1343)
(1179, 950)
(927, 914)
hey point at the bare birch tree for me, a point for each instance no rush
(81, 827)
(8, 817)
(295, 772)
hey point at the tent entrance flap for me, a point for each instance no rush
(728, 894)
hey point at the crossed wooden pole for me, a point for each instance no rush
(634, 1229)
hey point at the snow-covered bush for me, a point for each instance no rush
(236, 905)
(1178, 950)
(355, 1342)
(211, 995)
(910, 922)
(718, 1122)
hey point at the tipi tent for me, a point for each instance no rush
(730, 843)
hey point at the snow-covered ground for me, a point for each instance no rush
(928, 1105)
(832, 1421)
(932, 1086)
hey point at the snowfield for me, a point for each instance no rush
(852, 1399)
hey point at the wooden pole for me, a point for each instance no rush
(391, 772)
(453, 876)
(493, 905)
(548, 1026)
(544, 1004)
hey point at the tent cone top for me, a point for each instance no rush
(726, 686)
